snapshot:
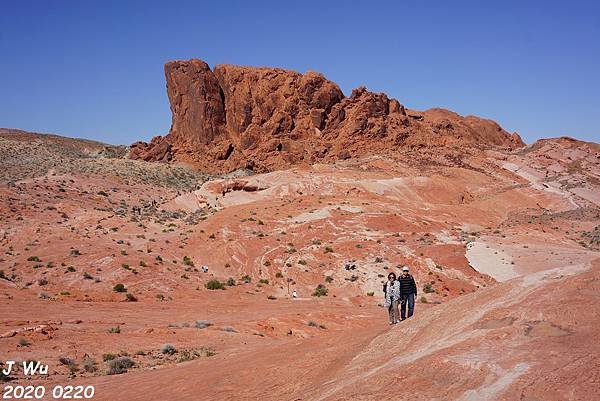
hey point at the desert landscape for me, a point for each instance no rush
(166, 270)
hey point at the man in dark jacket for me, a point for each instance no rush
(408, 293)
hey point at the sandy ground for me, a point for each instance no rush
(507, 275)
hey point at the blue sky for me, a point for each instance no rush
(94, 69)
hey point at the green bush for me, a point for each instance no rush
(119, 288)
(320, 291)
(214, 285)
(230, 282)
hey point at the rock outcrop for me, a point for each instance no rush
(267, 118)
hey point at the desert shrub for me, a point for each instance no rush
(71, 269)
(125, 266)
(320, 291)
(67, 361)
(33, 259)
(160, 297)
(267, 263)
(214, 285)
(328, 279)
(263, 281)
(119, 365)
(115, 330)
(187, 261)
(202, 324)
(75, 252)
(271, 297)
(23, 342)
(130, 297)
(65, 293)
(246, 278)
(427, 288)
(89, 365)
(108, 357)
(119, 288)
(230, 282)
(168, 349)
(229, 329)
(143, 264)
(370, 293)
(328, 249)
(316, 242)
(423, 300)
(42, 282)
(279, 275)
(378, 259)
(312, 323)
(188, 355)
(302, 262)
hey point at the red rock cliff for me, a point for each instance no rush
(269, 118)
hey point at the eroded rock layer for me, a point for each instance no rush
(268, 118)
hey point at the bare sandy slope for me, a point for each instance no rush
(507, 273)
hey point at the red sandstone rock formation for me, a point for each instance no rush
(268, 118)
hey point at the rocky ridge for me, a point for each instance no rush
(270, 118)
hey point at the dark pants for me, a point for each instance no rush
(407, 299)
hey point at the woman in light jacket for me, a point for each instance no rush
(392, 295)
